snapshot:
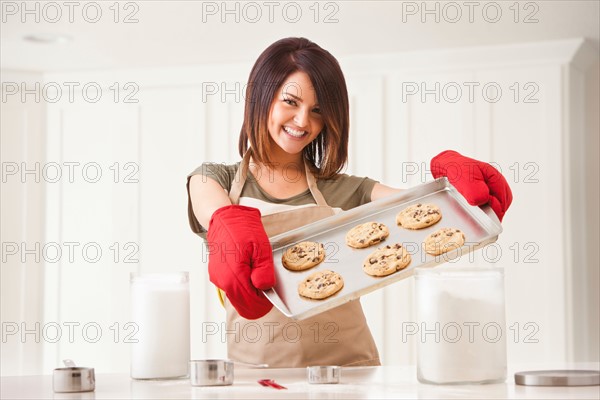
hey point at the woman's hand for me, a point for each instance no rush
(479, 182)
(241, 259)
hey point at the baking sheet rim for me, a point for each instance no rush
(349, 216)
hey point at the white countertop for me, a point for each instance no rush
(360, 382)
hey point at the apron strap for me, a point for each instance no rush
(312, 186)
(240, 178)
(242, 174)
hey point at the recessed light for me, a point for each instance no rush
(48, 38)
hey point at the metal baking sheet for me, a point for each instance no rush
(479, 229)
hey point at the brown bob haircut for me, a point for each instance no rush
(327, 154)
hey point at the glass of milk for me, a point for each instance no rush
(462, 327)
(160, 309)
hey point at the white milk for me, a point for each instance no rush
(160, 307)
(462, 328)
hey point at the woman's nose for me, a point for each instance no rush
(301, 117)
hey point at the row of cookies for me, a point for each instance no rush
(418, 216)
(441, 241)
(382, 262)
(389, 259)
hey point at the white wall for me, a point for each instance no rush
(173, 127)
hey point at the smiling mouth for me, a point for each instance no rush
(293, 132)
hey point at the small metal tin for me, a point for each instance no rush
(558, 378)
(324, 374)
(73, 379)
(211, 372)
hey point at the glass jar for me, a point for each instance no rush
(160, 310)
(461, 321)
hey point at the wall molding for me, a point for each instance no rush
(578, 52)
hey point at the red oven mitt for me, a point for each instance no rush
(240, 261)
(479, 182)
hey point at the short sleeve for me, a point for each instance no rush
(347, 191)
(362, 194)
(223, 174)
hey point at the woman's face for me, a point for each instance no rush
(295, 117)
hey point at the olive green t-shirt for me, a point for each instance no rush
(342, 192)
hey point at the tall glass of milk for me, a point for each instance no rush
(160, 309)
(461, 325)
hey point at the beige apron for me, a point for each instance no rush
(339, 336)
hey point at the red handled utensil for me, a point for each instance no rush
(270, 383)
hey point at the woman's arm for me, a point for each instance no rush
(480, 183)
(379, 191)
(240, 259)
(207, 196)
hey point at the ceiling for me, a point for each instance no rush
(169, 33)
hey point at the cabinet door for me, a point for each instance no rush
(524, 133)
(92, 231)
(181, 128)
(22, 231)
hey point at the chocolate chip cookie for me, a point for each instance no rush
(444, 240)
(303, 255)
(321, 284)
(419, 216)
(367, 234)
(386, 260)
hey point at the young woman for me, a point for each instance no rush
(294, 144)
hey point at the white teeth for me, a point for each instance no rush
(293, 132)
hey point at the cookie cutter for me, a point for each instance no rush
(558, 378)
(73, 379)
(324, 374)
(211, 372)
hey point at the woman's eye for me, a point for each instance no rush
(290, 102)
(317, 110)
